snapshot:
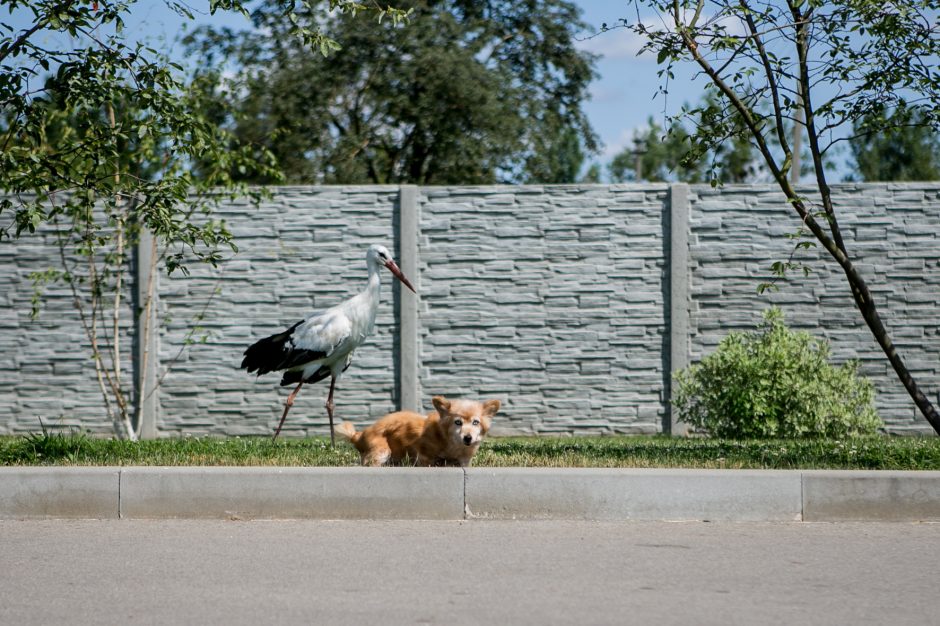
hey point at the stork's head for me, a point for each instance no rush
(379, 256)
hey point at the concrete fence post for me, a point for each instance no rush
(679, 302)
(147, 333)
(408, 225)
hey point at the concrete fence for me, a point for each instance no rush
(571, 304)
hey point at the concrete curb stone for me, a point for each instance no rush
(858, 496)
(292, 492)
(60, 492)
(474, 494)
(636, 494)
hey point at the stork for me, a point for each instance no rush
(322, 345)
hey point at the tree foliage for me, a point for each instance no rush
(69, 115)
(775, 383)
(469, 92)
(895, 147)
(676, 154)
(833, 64)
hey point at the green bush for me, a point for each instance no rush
(775, 383)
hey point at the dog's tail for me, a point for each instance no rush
(347, 431)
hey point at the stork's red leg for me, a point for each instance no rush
(287, 405)
(329, 410)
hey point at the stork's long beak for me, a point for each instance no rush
(394, 269)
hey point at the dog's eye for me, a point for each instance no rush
(476, 422)
(458, 422)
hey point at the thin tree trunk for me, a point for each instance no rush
(797, 138)
(833, 244)
(89, 329)
(118, 285)
(119, 254)
(866, 305)
(145, 357)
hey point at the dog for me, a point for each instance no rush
(449, 436)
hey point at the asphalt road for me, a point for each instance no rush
(495, 573)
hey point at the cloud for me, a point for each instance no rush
(604, 93)
(620, 42)
(623, 141)
(617, 43)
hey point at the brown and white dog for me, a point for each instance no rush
(449, 436)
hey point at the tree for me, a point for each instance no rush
(655, 156)
(675, 154)
(470, 92)
(834, 62)
(557, 158)
(99, 139)
(899, 146)
(592, 175)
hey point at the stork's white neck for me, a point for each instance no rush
(362, 308)
(374, 286)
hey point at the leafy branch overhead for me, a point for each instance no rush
(97, 122)
(858, 58)
(61, 150)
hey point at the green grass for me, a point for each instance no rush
(907, 453)
(903, 453)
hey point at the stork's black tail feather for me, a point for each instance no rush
(269, 354)
(324, 372)
(291, 377)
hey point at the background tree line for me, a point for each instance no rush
(477, 93)
(884, 145)
(469, 92)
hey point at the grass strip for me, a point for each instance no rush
(885, 453)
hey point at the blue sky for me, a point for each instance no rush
(622, 98)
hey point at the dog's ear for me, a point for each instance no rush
(441, 403)
(490, 407)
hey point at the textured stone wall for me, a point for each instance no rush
(549, 298)
(46, 371)
(893, 233)
(301, 251)
(553, 299)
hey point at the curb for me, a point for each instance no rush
(458, 494)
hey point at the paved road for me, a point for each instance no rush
(306, 572)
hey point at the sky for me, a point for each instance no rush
(622, 97)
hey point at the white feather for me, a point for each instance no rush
(339, 330)
(323, 332)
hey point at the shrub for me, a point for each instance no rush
(775, 383)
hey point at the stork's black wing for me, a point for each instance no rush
(278, 352)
